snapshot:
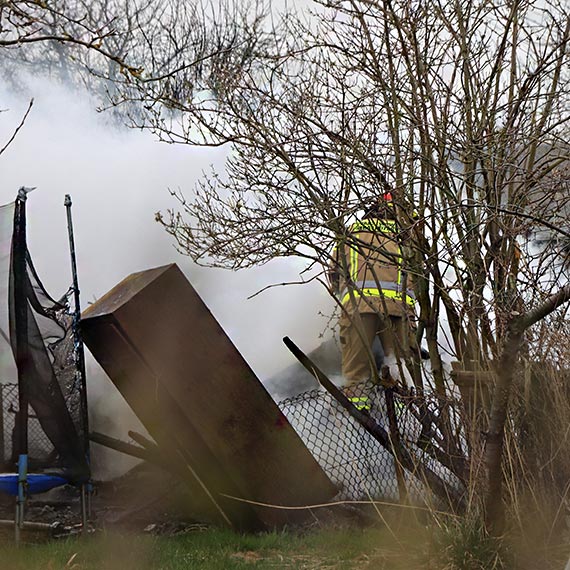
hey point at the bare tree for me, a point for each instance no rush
(60, 23)
(18, 128)
(34, 30)
(102, 44)
(459, 108)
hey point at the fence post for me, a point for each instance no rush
(394, 433)
(2, 428)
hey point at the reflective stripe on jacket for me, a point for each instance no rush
(360, 402)
(374, 262)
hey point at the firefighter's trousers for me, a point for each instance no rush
(357, 366)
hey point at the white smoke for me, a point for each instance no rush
(118, 179)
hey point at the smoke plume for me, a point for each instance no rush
(118, 179)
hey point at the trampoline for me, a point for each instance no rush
(35, 483)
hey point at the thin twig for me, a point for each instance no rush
(15, 133)
(337, 503)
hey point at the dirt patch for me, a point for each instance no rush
(146, 499)
(249, 556)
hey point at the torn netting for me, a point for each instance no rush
(42, 339)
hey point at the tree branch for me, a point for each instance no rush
(15, 133)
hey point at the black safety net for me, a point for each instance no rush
(42, 408)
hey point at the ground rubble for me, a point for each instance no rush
(145, 499)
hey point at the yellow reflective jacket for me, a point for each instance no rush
(373, 269)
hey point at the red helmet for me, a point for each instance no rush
(382, 208)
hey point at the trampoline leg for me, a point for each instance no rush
(83, 510)
(85, 507)
(21, 499)
(17, 522)
(89, 499)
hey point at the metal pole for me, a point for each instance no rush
(80, 362)
(395, 440)
(2, 428)
(20, 316)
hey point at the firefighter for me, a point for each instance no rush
(368, 278)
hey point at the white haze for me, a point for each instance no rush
(118, 179)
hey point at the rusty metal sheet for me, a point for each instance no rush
(200, 400)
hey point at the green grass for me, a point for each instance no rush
(451, 544)
(211, 550)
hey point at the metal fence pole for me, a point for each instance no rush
(20, 316)
(2, 428)
(80, 362)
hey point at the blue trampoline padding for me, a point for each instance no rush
(37, 483)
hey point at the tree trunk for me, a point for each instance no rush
(506, 369)
(496, 434)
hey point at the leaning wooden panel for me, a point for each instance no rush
(157, 315)
(167, 423)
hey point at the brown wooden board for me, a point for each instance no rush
(200, 400)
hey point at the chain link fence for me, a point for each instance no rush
(63, 357)
(40, 448)
(352, 458)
